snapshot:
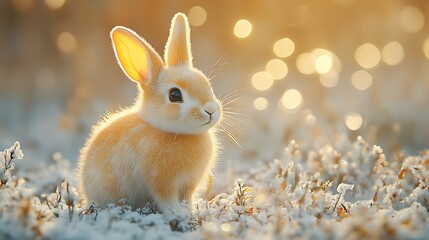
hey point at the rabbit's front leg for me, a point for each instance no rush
(167, 201)
(187, 193)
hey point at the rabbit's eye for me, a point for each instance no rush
(175, 95)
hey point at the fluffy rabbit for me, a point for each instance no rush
(163, 148)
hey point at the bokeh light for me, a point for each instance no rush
(305, 64)
(310, 119)
(367, 55)
(284, 47)
(277, 68)
(226, 227)
(291, 99)
(306, 77)
(197, 16)
(323, 63)
(353, 121)
(329, 79)
(55, 4)
(262, 81)
(260, 103)
(66, 42)
(411, 19)
(426, 47)
(242, 28)
(392, 53)
(361, 80)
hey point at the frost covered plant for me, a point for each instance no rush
(65, 197)
(228, 207)
(242, 196)
(342, 189)
(349, 192)
(8, 155)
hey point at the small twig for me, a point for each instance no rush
(336, 203)
(51, 206)
(4, 163)
(11, 157)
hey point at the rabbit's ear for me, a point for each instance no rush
(137, 58)
(178, 47)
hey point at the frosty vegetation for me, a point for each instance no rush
(347, 193)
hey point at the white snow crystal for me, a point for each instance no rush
(343, 187)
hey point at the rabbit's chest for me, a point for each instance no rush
(180, 161)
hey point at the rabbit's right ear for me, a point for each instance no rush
(136, 57)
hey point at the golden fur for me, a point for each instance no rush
(157, 150)
(166, 164)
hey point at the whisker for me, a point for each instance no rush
(236, 119)
(234, 127)
(212, 71)
(232, 108)
(235, 113)
(219, 96)
(226, 103)
(217, 61)
(234, 92)
(215, 75)
(229, 97)
(231, 137)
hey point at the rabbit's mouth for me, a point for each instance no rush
(208, 122)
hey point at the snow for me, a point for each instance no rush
(349, 192)
(342, 187)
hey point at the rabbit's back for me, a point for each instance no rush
(127, 158)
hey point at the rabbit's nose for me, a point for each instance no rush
(209, 113)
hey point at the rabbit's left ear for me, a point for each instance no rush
(178, 47)
(136, 57)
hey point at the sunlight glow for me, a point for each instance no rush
(367, 55)
(284, 47)
(197, 16)
(304, 63)
(361, 80)
(411, 19)
(242, 28)
(353, 120)
(392, 53)
(323, 63)
(426, 47)
(66, 42)
(277, 68)
(54, 4)
(260, 103)
(291, 99)
(262, 81)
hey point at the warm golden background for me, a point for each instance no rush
(313, 71)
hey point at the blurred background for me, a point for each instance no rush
(318, 72)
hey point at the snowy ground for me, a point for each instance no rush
(327, 184)
(342, 191)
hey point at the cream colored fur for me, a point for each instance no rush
(155, 151)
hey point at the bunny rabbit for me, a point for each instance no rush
(163, 148)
